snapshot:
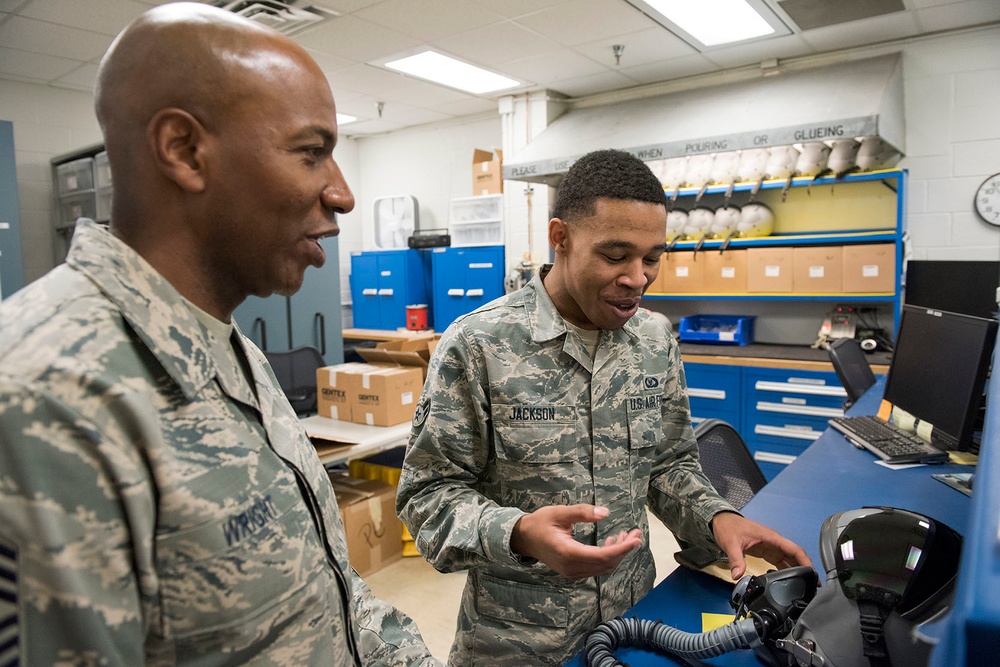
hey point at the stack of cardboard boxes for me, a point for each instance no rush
(382, 392)
(374, 532)
(849, 269)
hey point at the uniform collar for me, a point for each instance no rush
(148, 302)
(545, 321)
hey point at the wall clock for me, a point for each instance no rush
(987, 200)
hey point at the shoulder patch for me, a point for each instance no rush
(10, 641)
(420, 414)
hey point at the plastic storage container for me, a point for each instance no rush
(75, 176)
(102, 170)
(718, 329)
(71, 207)
(476, 221)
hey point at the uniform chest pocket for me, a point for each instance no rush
(538, 461)
(645, 420)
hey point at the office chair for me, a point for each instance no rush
(852, 368)
(727, 462)
(296, 373)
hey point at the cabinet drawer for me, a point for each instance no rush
(805, 392)
(711, 385)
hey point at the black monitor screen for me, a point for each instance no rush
(956, 286)
(938, 371)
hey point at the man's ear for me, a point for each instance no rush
(178, 143)
(558, 234)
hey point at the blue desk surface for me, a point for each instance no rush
(830, 476)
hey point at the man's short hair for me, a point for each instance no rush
(610, 174)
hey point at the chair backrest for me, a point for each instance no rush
(727, 462)
(296, 373)
(852, 368)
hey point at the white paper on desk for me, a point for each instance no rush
(898, 466)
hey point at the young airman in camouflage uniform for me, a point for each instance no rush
(159, 502)
(550, 419)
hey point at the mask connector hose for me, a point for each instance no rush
(653, 635)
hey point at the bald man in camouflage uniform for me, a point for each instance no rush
(159, 502)
(550, 419)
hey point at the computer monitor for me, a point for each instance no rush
(967, 287)
(939, 369)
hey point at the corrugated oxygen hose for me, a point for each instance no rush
(653, 635)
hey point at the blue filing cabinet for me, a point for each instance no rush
(464, 279)
(785, 411)
(383, 283)
(714, 392)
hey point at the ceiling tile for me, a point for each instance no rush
(51, 39)
(675, 68)
(785, 46)
(428, 94)
(11, 5)
(82, 78)
(595, 83)
(495, 43)
(468, 106)
(102, 16)
(547, 69)
(958, 14)
(428, 20)
(367, 79)
(515, 8)
(345, 6)
(859, 33)
(355, 39)
(641, 47)
(587, 21)
(34, 66)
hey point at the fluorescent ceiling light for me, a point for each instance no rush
(714, 22)
(343, 118)
(447, 71)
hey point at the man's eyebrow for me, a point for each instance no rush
(311, 131)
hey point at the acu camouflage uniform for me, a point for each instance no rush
(153, 509)
(516, 416)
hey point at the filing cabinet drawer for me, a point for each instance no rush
(796, 392)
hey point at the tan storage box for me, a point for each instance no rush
(725, 272)
(818, 269)
(333, 390)
(487, 175)
(681, 272)
(769, 270)
(385, 395)
(870, 267)
(374, 532)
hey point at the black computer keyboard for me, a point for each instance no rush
(886, 441)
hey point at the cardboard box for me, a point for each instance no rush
(818, 269)
(415, 351)
(333, 390)
(870, 267)
(725, 272)
(681, 272)
(487, 176)
(769, 270)
(385, 395)
(374, 532)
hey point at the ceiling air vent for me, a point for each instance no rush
(286, 16)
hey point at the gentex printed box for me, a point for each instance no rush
(374, 533)
(333, 390)
(818, 269)
(769, 270)
(870, 267)
(487, 175)
(385, 395)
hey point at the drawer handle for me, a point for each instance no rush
(793, 388)
(717, 394)
(785, 432)
(812, 411)
(474, 292)
(369, 291)
(385, 291)
(771, 457)
(456, 292)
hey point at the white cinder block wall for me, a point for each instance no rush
(952, 89)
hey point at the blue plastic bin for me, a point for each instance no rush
(717, 329)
